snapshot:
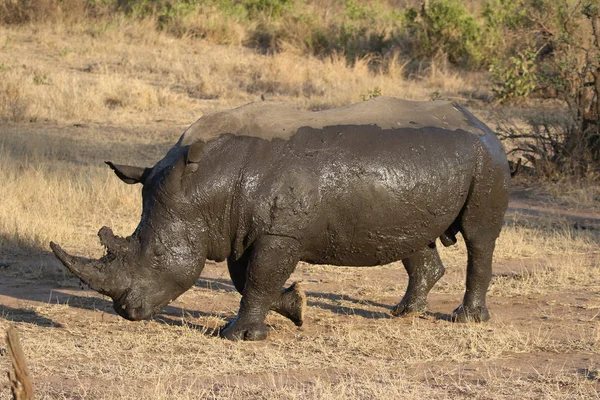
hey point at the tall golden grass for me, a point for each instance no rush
(48, 197)
(130, 73)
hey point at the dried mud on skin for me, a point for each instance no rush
(542, 341)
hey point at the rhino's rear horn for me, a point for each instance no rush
(114, 244)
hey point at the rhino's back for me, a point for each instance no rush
(275, 121)
(357, 195)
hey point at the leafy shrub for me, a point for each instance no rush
(445, 26)
(566, 64)
(356, 30)
(371, 94)
(357, 12)
(516, 77)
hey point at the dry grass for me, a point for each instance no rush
(129, 91)
(48, 197)
(583, 195)
(129, 73)
(347, 359)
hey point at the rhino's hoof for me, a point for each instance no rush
(235, 330)
(402, 309)
(470, 314)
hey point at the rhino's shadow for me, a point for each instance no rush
(351, 310)
(440, 316)
(28, 316)
(170, 315)
(371, 314)
(215, 284)
(181, 322)
(315, 299)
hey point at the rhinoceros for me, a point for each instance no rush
(265, 186)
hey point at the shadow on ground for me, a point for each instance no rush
(526, 211)
(47, 286)
(315, 299)
(27, 316)
(589, 374)
(215, 284)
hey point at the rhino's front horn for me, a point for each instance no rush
(92, 272)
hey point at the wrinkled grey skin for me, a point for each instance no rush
(353, 195)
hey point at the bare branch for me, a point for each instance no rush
(20, 381)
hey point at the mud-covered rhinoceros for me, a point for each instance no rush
(264, 186)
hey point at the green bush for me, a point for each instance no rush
(566, 36)
(355, 28)
(358, 12)
(446, 26)
(516, 77)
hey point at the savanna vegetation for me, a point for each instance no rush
(83, 81)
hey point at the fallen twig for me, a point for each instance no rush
(20, 381)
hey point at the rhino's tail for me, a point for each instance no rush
(448, 238)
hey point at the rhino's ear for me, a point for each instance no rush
(130, 174)
(193, 157)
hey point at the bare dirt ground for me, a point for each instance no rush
(542, 341)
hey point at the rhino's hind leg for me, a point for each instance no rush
(291, 302)
(271, 261)
(424, 269)
(479, 275)
(480, 225)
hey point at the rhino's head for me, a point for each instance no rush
(163, 257)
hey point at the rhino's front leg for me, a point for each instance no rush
(290, 303)
(271, 261)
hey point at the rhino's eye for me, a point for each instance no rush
(159, 249)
